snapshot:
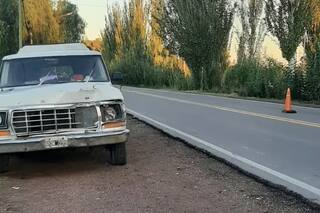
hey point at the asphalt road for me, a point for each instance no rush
(255, 136)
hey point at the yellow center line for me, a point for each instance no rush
(259, 115)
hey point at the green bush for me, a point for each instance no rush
(142, 72)
(312, 78)
(254, 79)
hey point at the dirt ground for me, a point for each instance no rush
(162, 175)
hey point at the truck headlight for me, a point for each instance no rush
(113, 116)
(3, 120)
(110, 114)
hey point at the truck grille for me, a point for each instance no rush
(33, 122)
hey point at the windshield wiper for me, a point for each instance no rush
(48, 77)
(93, 70)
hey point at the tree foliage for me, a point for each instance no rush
(313, 77)
(39, 18)
(313, 30)
(312, 49)
(287, 20)
(95, 44)
(8, 27)
(72, 26)
(42, 23)
(132, 45)
(112, 35)
(199, 32)
(159, 54)
(156, 43)
(125, 32)
(253, 32)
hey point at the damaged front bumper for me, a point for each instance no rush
(65, 140)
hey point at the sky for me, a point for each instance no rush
(93, 12)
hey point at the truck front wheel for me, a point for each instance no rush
(118, 154)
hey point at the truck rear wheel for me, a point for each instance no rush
(4, 163)
(118, 154)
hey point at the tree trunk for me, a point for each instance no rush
(291, 71)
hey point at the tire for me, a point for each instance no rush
(4, 163)
(118, 154)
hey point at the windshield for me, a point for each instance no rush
(52, 70)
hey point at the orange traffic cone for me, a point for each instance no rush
(288, 103)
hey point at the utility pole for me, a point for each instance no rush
(20, 22)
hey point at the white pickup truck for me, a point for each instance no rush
(59, 96)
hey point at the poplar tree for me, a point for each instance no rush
(287, 21)
(137, 27)
(312, 49)
(253, 29)
(313, 30)
(112, 35)
(72, 26)
(156, 43)
(199, 32)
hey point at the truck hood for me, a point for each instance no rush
(58, 94)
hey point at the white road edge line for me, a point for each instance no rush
(310, 192)
(254, 114)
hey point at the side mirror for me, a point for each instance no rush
(117, 78)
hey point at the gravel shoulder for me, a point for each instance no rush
(162, 175)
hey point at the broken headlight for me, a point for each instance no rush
(113, 112)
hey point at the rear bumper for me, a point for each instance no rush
(63, 141)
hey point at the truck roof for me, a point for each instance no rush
(52, 50)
